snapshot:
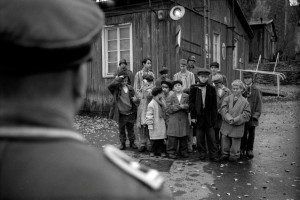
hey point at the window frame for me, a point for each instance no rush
(235, 54)
(217, 50)
(105, 73)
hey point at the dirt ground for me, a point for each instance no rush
(272, 174)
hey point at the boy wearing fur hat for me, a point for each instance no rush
(222, 92)
(178, 125)
(253, 96)
(155, 120)
(123, 109)
(203, 108)
(235, 111)
(214, 68)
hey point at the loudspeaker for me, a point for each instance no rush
(177, 12)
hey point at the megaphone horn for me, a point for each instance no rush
(177, 12)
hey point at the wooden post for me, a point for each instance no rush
(278, 85)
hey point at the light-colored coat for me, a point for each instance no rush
(240, 112)
(156, 124)
(190, 79)
(178, 124)
(226, 92)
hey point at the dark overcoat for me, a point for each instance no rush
(178, 123)
(208, 116)
(115, 89)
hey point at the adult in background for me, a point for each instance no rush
(215, 70)
(203, 108)
(253, 96)
(45, 48)
(123, 68)
(164, 72)
(192, 67)
(185, 76)
(146, 70)
(124, 108)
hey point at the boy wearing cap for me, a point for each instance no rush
(186, 77)
(163, 76)
(123, 67)
(222, 92)
(203, 109)
(253, 96)
(191, 66)
(155, 120)
(145, 96)
(124, 108)
(214, 68)
(178, 125)
(235, 111)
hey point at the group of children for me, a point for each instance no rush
(168, 114)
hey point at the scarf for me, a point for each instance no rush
(200, 84)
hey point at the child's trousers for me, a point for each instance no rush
(231, 146)
(126, 121)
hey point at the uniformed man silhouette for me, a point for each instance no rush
(44, 48)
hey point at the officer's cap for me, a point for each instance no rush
(203, 71)
(47, 35)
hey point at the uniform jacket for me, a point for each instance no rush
(253, 96)
(207, 116)
(155, 121)
(129, 74)
(226, 92)
(240, 112)
(178, 124)
(115, 89)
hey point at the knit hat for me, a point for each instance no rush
(164, 70)
(192, 58)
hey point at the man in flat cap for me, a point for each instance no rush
(215, 69)
(192, 67)
(164, 72)
(184, 75)
(123, 68)
(43, 76)
(203, 108)
(253, 96)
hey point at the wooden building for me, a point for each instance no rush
(212, 30)
(263, 42)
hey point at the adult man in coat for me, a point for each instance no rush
(45, 48)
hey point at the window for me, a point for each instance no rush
(216, 50)
(235, 55)
(117, 45)
(207, 46)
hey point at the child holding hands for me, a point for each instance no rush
(235, 111)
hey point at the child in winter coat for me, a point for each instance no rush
(235, 111)
(253, 96)
(178, 125)
(156, 122)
